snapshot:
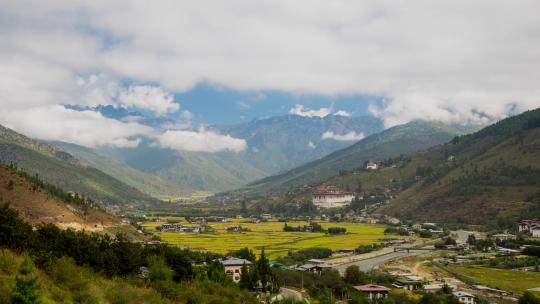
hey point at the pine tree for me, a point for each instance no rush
(27, 289)
(264, 270)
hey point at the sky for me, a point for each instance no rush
(207, 62)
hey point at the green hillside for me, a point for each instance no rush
(488, 177)
(147, 183)
(494, 176)
(403, 139)
(199, 171)
(62, 169)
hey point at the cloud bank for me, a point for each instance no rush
(300, 110)
(453, 60)
(201, 141)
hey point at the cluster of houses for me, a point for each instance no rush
(207, 219)
(176, 227)
(411, 283)
(530, 226)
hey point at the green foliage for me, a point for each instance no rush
(354, 276)
(27, 288)
(303, 255)
(158, 269)
(528, 298)
(244, 253)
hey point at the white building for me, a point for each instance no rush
(371, 165)
(332, 198)
(233, 267)
(463, 297)
(535, 231)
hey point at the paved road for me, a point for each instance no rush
(369, 264)
(288, 293)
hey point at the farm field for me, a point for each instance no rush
(271, 236)
(514, 281)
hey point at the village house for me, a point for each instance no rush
(233, 267)
(409, 282)
(314, 266)
(331, 197)
(528, 225)
(374, 292)
(463, 297)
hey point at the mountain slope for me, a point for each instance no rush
(198, 171)
(62, 169)
(494, 176)
(147, 183)
(284, 142)
(403, 139)
(38, 207)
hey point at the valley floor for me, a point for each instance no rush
(270, 236)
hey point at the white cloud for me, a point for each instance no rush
(351, 136)
(445, 60)
(87, 128)
(148, 97)
(201, 141)
(342, 113)
(300, 110)
(311, 145)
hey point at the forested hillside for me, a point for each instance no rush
(62, 169)
(39, 202)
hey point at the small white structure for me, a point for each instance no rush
(463, 297)
(371, 165)
(233, 267)
(332, 198)
(535, 231)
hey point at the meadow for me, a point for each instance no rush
(514, 281)
(271, 236)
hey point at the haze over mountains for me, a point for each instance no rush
(273, 144)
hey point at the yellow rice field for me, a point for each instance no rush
(271, 236)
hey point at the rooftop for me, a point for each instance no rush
(371, 288)
(235, 262)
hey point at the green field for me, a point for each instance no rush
(514, 281)
(270, 236)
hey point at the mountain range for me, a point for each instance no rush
(395, 141)
(491, 176)
(273, 144)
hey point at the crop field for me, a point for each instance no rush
(514, 281)
(271, 236)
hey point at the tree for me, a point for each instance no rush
(249, 278)
(27, 288)
(243, 207)
(264, 270)
(158, 269)
(528, 298)
(245, 253)
(353, 275)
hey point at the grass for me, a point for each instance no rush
(270, 236)
(513, 281)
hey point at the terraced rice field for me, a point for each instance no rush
(271, 236)
(509, 280)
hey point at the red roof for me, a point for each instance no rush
(371, 288)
